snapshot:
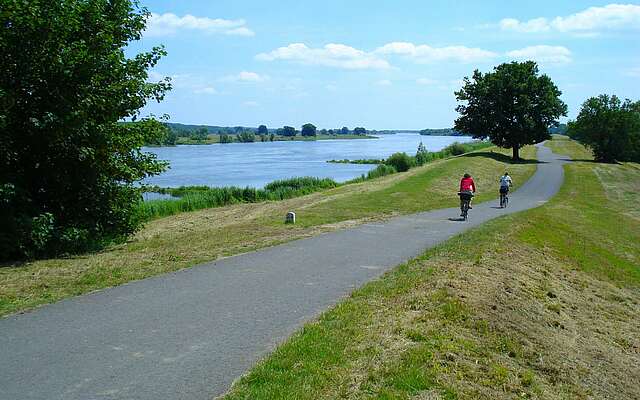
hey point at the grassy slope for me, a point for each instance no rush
(183, 240)
(542, 304)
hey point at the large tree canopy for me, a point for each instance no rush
(610, 127)
(512, 106)
(308, 130)
(67, 164)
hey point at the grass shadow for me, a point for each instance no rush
(501, 158)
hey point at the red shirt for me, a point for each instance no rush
(467, 185)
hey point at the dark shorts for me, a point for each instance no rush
(504, 189)
(465, 195)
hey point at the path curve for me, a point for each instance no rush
(189, 334)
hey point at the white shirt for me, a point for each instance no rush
(505, 181)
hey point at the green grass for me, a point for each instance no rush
(435, 187)
(517, 308)
(192, 198)
(187, 239)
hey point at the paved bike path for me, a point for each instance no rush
(189, 334)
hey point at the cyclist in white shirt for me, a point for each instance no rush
(505, 183)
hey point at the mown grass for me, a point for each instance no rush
(186, 239)
(512, 309)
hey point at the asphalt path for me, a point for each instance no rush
(190, 334)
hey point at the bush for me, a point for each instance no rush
(400, 161)
(381, 170)
(456, 149)
(224, 138)
(246, 137)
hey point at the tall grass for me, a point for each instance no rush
(191, 198)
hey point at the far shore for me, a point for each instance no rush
(215, 139)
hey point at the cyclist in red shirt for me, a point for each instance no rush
(467, 189)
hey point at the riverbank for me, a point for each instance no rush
(186, 239)
(540, 304)
(215, 139)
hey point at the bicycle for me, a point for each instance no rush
(465, 204)
(504, 198)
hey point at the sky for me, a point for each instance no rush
(380, 64)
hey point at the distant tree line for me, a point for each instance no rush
(175, 133)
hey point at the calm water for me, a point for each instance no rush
(256, 164)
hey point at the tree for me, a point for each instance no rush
(262, 130)
(246, 137)
(344, 130)
(610, 127)
(513, 106)
(68, 166)
(224, 138)
(359, 131)
(288, 131)
(308, 130)
(200, 134)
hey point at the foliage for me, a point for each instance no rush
(67, 166)
(610, 127)
(287, 131)
(199, 134)
(440, 132)
(422, 154)
(224, 138)
(381, 170)
(246, 137)
(193, 198)
(262, 130)
(308, 130)
(400, 161)
(455, 149)
(359, 131)
(344, 130)
(513, 105)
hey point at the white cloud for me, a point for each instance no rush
(533, 25)
(169, 24)
(251, 103)
(246, 77)
(426, 81)
(331, 55)
(593, 19)
(633, 72)
(542, 54)
(384, 82)
(424, 53)
(205, 90)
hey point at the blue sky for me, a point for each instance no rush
(379, 64)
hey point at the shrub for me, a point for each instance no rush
(456, 149)
(381, 170)
(400, 161)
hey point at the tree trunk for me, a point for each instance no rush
(516, 153)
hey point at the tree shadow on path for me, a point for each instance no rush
(502, 158)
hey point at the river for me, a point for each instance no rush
(256, 164)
